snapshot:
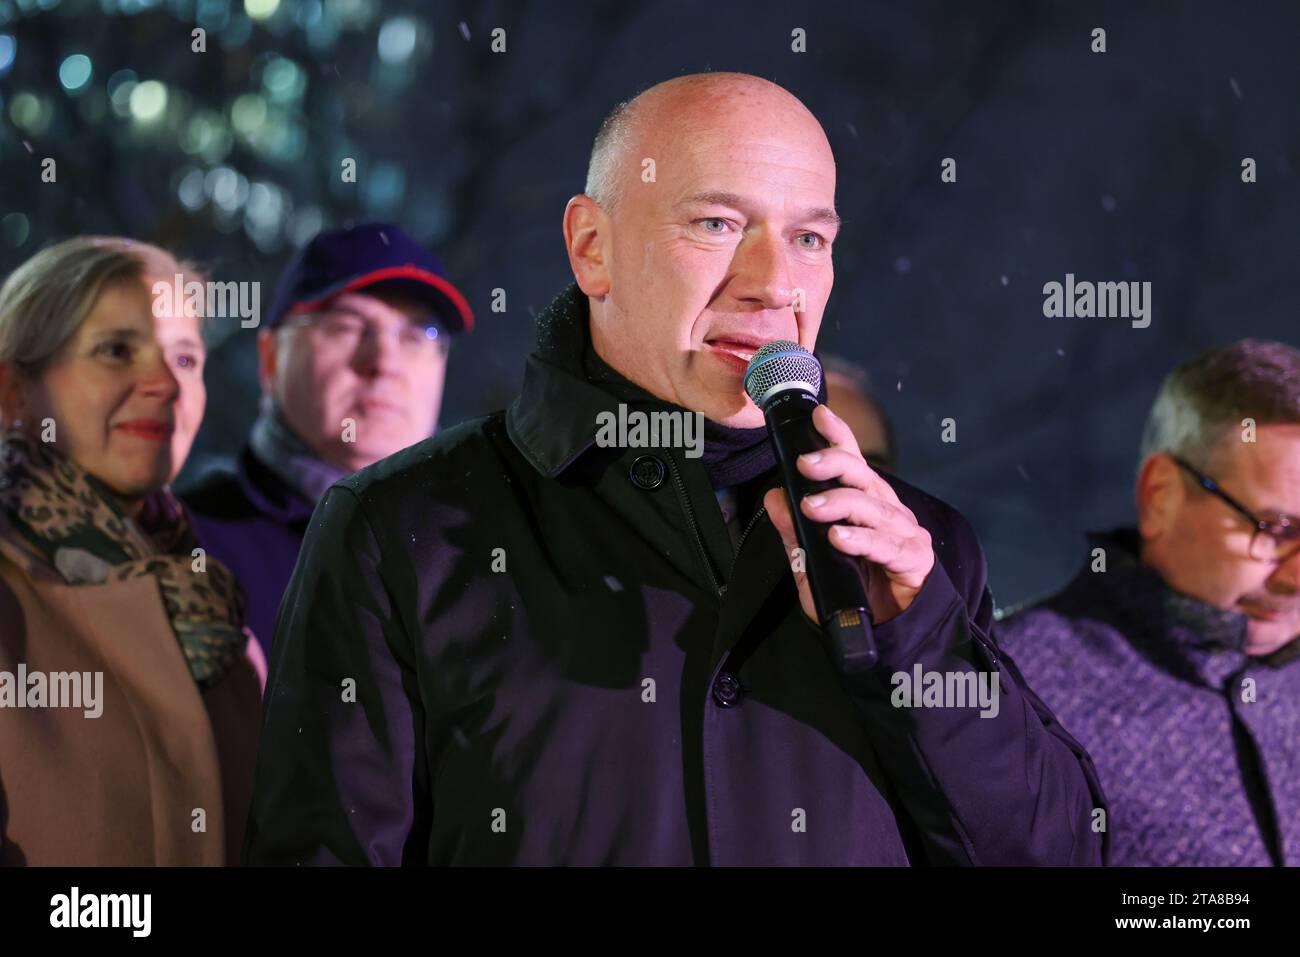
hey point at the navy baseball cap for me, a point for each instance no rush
(364, 257)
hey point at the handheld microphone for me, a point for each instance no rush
(784, 380)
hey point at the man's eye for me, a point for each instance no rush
(344, 327)
(187, 360)
(817, 241)
(708, 225)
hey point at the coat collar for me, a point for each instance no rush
(553, 420)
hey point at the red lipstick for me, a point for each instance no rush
(153, 429)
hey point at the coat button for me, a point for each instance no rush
(647, 472)
(727, 691)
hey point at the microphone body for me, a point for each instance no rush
(784, 379)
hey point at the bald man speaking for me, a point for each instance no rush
(572, 632)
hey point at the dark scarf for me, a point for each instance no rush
(1188, 635)
(278, 448)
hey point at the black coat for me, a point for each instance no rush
(629, 689)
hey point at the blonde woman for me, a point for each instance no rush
(129, 703)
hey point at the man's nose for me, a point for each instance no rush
(762, 270)
(378, 353)
(1286, 577)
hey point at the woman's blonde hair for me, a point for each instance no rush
(46, 299)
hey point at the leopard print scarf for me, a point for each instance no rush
(75, 524)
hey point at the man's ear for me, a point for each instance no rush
(586, 239)
(267, 358)
(1160, 493)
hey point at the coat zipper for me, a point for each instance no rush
(695, 528)
(762, 510)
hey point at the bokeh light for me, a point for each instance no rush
(397, 40)
(190, 190)
(306, 223)
(384, 187)
(212, 15)
(350, 14)
(227, 188)
(283, 80)
(148, 102)
(265, 214)
(202, 132)
(30, 113)
(261, 9)
(248, 114)
(14, 229)
(75, 72)
(119, 96)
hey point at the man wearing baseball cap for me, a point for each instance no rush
(351, 358)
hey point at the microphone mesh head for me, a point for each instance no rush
(782, 365)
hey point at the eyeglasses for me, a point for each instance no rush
(1272, 539)
(346, 331)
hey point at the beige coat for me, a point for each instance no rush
(122, 788)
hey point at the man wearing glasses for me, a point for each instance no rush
(352, 360)
(1172, 656)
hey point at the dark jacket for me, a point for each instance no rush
(251, 521)
(558, 658)
(1197, 743)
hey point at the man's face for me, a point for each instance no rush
(359, 380)
(710, 261)
(125, 392)
(1204, 545)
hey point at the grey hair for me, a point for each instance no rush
(1203, 401)
(45, 300)
(602, 170)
